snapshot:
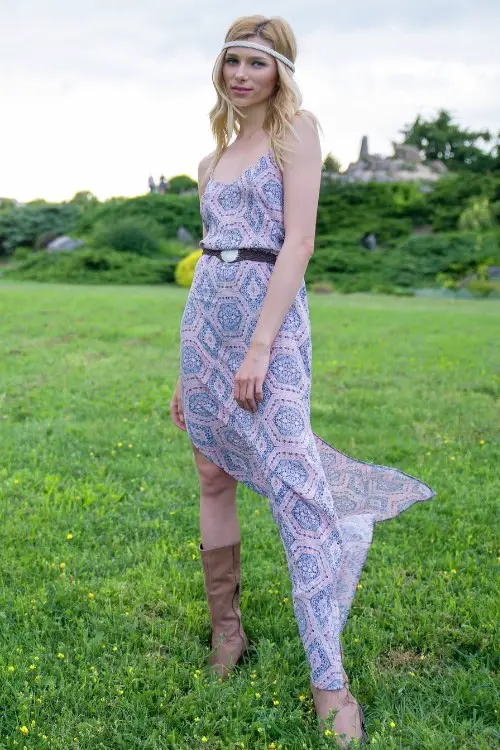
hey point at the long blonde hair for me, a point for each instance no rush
(284, 103)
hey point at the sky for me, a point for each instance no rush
(99, 94)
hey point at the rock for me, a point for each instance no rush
(369, 240)
(64, 243)
(363, 153)
(407, 153)
(404, 166)
(438, 166)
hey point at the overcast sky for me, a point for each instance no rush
(99, 94)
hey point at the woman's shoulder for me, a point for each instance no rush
(205, 164)
(204, 168)
(304, 134)
(305, 120)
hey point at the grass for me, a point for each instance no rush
(104, 624)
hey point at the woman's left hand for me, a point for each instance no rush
(249, 379)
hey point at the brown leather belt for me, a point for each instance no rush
(244, 253)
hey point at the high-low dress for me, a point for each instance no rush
(324, 502)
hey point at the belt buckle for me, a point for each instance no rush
(228, 256)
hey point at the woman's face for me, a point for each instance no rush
(250, 75)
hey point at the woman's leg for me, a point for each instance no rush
(219, 524)
(220, 555)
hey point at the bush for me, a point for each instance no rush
(22, 253)
(45, 239)
(169, 211)
(23, 225)
(94, 266)
(184, 271)
(477, 216)
(133, 234)
(174, 250)
(418, 261)
(481, 288)
(322, 287)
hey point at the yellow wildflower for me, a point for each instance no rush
(91, 595)
(69, 536)
(392, 724)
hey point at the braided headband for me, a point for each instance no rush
(262, 48)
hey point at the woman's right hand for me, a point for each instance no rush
(176, 410)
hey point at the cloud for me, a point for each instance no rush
(100, 93)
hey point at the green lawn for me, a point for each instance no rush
(104, 627)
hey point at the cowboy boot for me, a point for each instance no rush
(348, 723)
(221, 567)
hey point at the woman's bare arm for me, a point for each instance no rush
(301, 184)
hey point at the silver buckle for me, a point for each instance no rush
(228, 256)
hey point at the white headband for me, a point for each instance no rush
(262, 48)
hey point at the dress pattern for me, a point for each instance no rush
(325, 503)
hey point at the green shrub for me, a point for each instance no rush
(418, 261)
(131, 234)
(477, 216)
(481, 288)
(322, 287)
(169, 211)
(23, 225)
(95, 266)
(22, 253)
(174, 250)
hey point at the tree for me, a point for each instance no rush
(84, 199)
(460, 149)
(181, 183)
(7, 203)
(331, 164)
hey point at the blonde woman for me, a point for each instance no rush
(244, 389)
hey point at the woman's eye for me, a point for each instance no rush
(231, 60)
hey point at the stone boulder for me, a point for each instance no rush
(64, 243)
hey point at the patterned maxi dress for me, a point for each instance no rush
(324, 502)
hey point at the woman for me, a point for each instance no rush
(244, 388)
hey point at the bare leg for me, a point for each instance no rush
(219, 524)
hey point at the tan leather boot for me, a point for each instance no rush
(221, 567)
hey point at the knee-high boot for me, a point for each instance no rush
(221, 567)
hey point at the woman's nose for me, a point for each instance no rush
(241, 72)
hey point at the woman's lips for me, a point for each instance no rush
(240, 90)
